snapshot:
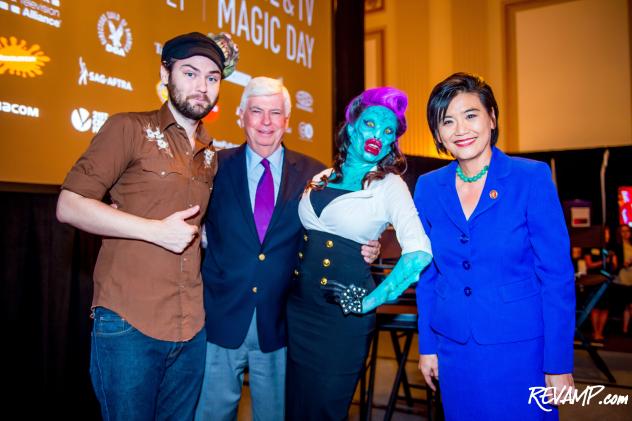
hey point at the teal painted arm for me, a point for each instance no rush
(405, 272)
(352, 299)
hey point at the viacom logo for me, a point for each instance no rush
(83, 120)
(19, 109)
(305, 131)
(85, 75)
(116, 37)
(304, 101)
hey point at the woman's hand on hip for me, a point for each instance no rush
(429, 367)
(370, 251)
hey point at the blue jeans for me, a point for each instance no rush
(136, 377)
(224, 375)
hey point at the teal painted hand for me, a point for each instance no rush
(404, 274)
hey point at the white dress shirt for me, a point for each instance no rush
(363, 215)
(254, 171)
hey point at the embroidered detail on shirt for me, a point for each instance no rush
(158, 137)
(208, 157)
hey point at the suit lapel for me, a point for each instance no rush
(449, 198)
(239, 178)
(290, 178)
(494, 190)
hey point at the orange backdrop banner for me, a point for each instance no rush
(66, 66)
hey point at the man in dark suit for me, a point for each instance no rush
(253, 233)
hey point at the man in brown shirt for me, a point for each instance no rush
(148, 341)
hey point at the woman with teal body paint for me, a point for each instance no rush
(331, 306)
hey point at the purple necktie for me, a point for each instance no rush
(264, 200)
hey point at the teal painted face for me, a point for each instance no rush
(372, 134)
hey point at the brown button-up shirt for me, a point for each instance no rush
(146, 164)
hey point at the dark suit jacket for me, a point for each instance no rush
(241, 274)
(505, 274)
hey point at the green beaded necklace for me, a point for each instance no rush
(474, 178)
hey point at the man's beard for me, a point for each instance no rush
(181, 103)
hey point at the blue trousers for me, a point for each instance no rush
(491, 382)
(224, 375)
(136, 377)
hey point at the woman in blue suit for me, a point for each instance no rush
(497, 305)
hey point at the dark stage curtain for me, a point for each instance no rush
(46, 281)
(418, 165)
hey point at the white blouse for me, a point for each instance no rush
(363, 215)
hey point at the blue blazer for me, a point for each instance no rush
(505, 274)
(235, 262)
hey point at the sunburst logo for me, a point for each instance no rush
(20, 60)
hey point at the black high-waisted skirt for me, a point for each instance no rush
(326, 349)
